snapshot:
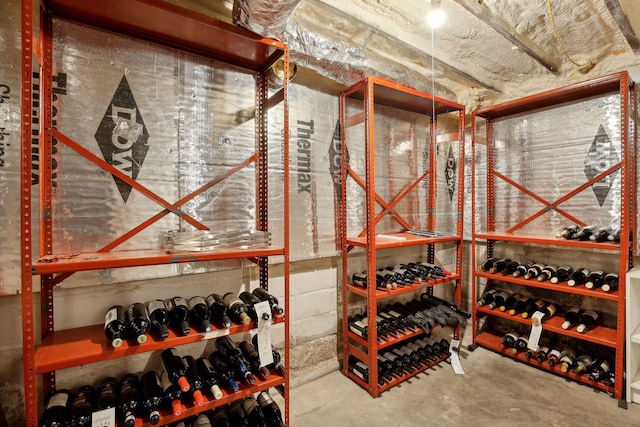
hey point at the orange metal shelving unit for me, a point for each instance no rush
(497, 237)
(370, 95)
(174, 27)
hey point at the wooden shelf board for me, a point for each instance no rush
(599, 335)
(88, 344)
(560, 287)
(493, 342)
(69, 263)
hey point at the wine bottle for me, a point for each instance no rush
(583, 364)
(55, 409)
(487, 297)
(562, 274)
(219, 418)
(138, 322)
(542, 354)
(176, 370)
(549, 309)
(171, 394)
(400, 362)
(218, 310)
(199, 313)
(609, 379)
(509, 267)
(115, 325)
(571, 317)
(232, 353)
(488, 264)
(511, 302)
(389, 366)
(533, 271)
(584, 233)
(509, 339)
(209, 377)
(521, 343)
(519, 306)
(81, 407)
(253, 412)
(532, 306)
(129, 390)
(610, 282)
(202, 420)
(522, 268)
(186, 422)
(251, 355)
(107, 394)
(179, 315)
(263, 295)
(436, 271)
(547, 272)
(599, 370)
(426, 352)
(601, 234)
(579, 277)
(567, 358)
(277, 358)
(236, 414)
(554, 357)
(236, 309)
(359, 369)
(411, 358)
(568, 232)
(196, 382)
(499, 299)
(499, 265)
(391, 277)
(151, 396)
(159, 317)
(595, 279)
(251, 300)
(224, 370)
(588, 318)
(614, 236)
(270, 409)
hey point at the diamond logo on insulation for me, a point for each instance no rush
(122, 136)
(601, 156)
(450, 173)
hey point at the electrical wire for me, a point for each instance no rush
(582, 68)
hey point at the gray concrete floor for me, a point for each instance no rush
(494, 391)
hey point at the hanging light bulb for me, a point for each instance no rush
(436, 16)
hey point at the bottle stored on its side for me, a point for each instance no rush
(232, 353)
(130, 395)
(510, 302)
(115, 324)
(253, 412)
(542, 354)
(236, 414)
(219, 418)
(209, 377)
(270, 409)
(614, 236)
(277, 358)
(595, 279)
(151, 396)
(554, 357)
(499, 265)
(533, 271)
(236, 308)
(532, 306)
(251, 300)
(202, 420)
(509, 268)
(549, 310)
(584, 233)
(81, 407)
(547, 272)
(520, 305)
(509, 339)
(487, 297)
(571, 317)
(55, 409)
(106, 394)
(218, 310)
(562, 274)
(159, 317)
(599, 370)
(359, 369)
(487, 264)
(499, 299)
(176, 370)
(199, 313)
(224, 370)
(601, 234)
(138, 322)
(579, 277)
(196, 382)
(521, 343)
(568, 232)
(171, 394)
(588, 319)
(179, 315)
(522, 268)
(610, 282)
(253, 358)
(609, 379)
(583, 364)
(567, 359)
(263, 295)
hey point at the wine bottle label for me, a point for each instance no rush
(554, 353)
(155, 305)
(58, 399)
(111, 315)
(358, 373)
(179, 301)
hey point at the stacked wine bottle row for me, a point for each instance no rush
(183, 382)
(403, 359)
(525, 306)
(555, 274)
(400, 275)
(397, 319)
(138, 319)
(590, 232)
(596, 369)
